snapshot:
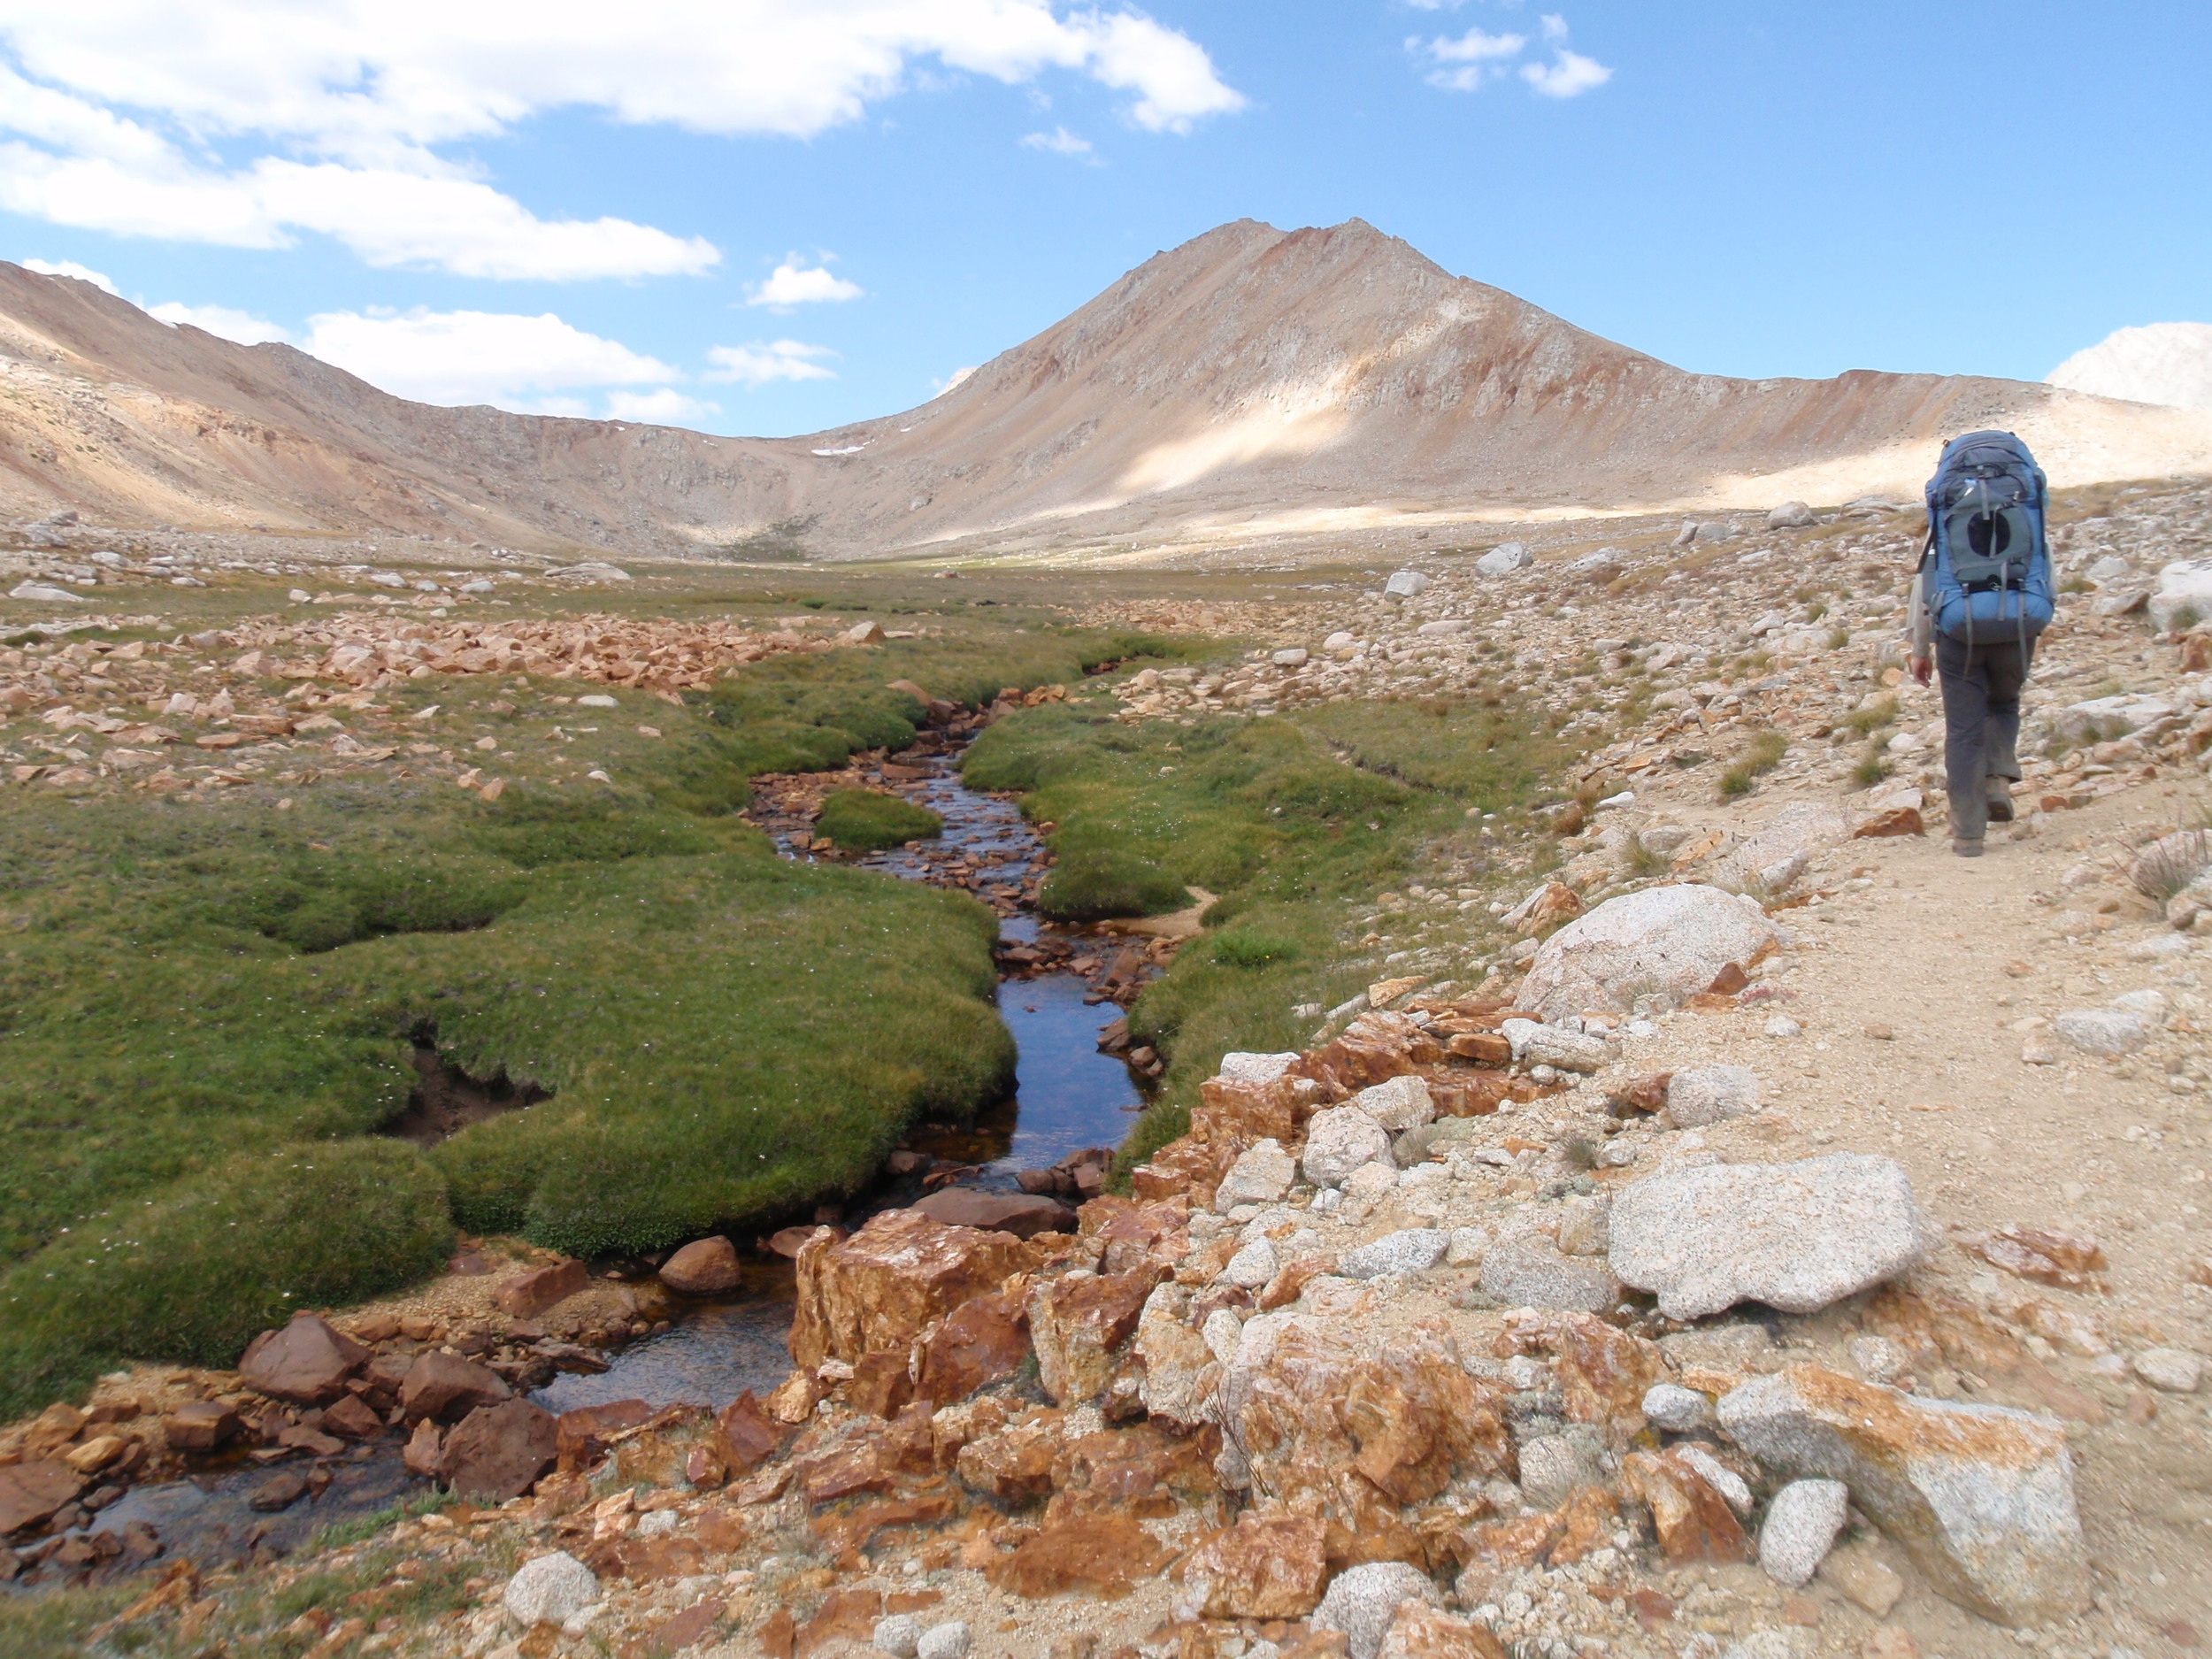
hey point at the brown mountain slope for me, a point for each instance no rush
(105, 409)
(1252, 375)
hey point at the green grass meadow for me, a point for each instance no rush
(207, 1009)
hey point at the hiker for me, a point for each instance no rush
(1981, 595)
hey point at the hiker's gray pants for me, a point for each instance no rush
(1981, 724)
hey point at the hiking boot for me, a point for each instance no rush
(2000, 805)
(1966, 848)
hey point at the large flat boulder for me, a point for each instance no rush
(1794, 1236)
(1981, 1497)
(880, 1289)
(446, 1385)
(1670, 942)
(1025, 1215)
(29, 1493)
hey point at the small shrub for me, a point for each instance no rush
(2077, 585)
(1871, 769)
(863, 820)
(1838, 637)
(2171, 863)
(1873, 718)
(1254, 948)
(1762, 758)
(1094, 884)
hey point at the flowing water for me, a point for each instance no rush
(1067, 1095)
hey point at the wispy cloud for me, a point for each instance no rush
(510, 361)
(1466, 63)
(766, 360)
(1060, 141)
(791, 284)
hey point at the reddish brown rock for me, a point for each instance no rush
(1079, 1325)
(1483, 1048)
(880, 1289)
(1693, 1521)
(1897, 820)
(693, 1625)
(979, 1343)
(580, 1436)
(745, 1435)
(30, 1492)
(2049, 1257)
(1106, 1556)
(849, 1615)
(348, 1418)
(1374, 1048)
(1603, 1373)
(1013, 1465)
(789, 1241)
(1248, 1113)
(526, 1295)
(499, 1451)
(1266, 1566)
(445, 1385)
(306, 1362)
(1290, 1279)
(1134, 1235)
(52, 1430)
(199, 1426)
(424, 1450)
(1420, 1632)
(1024, 1215)
(1333, 1429)
(375, 1327)
(705, 1267)
(882, 1385)
(1141, 1471)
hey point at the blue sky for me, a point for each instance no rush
(413, 189)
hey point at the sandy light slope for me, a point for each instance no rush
(1250, 378)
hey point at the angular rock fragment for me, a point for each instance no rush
(526, 1295)
(1982, 1497)
(1801, 1522)
(1532, 1274)
(1704, 1095)
(1077, 1326)
(445, 1385)
(1339, 1140)
(1796, 1236)
(1414, 1250)
(878, 1290)
(307, 1362)
(1398, 1102)
(1023, 1215)
(1261, 1175)
(1266, 1566)
(498, 1452)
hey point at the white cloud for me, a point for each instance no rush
(1475, 54)
(1060, 141)
(1464, 64)
(665, 407)
(953, 379)
(1568, 75)
(792, 284)
(478, 357)
(71, 268)
(242, 327)
(763, 361)
(334, 111)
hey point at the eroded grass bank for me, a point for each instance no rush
(207, 1009)
(1290, 819)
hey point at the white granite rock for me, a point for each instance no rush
(1982, 1497)
(1362, 1600)
(1666, 943)
(1414, 1250)
(1338, 1141)
(1702, 1094)
(2109, 1032)
(549, 1590)
(1254, 1068)
(1530, 1273)
(1796, 1236)
(1261, 1175)
(1504, 559)
(1396, 1103)
(1677, 1410)
(1800, 1525)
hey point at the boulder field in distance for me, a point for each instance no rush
(1251, 381)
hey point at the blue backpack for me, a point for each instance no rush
(1988, 560)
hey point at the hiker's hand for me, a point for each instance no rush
(1921, 669)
